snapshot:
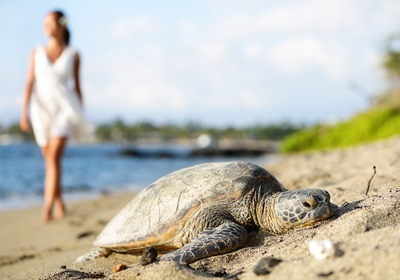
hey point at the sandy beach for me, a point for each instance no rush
(365, 230)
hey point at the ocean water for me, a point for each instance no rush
(89, 170)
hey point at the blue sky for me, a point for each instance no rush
(221, 62)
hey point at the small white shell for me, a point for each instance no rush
(322, 249)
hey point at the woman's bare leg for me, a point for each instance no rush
(52, 154)
(47, 204)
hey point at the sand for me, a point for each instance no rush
(365, 231)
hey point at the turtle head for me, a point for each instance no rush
(300, 208)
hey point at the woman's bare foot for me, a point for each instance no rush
(59, 209)
(46, 214)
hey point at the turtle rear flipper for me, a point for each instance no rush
(210, 242)
(93, 254)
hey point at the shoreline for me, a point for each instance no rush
(366, 229)
(87, 171)
(17, 202)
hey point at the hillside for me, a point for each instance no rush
(374, 124)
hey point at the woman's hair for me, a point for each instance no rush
(62, 20)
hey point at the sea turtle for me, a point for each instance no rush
(207, 210)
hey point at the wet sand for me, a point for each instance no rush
(366, 230)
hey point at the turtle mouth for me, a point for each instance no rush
(329, 213)
(314, 222)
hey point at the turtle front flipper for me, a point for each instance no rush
(210, 242)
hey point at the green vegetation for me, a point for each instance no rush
(374, 124)
(380, 121)
(120, 131)
(15, 132)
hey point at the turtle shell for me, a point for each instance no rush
(158, 213)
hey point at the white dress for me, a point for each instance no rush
(56, 110)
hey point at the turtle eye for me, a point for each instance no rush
(309, 203)
(306, 204)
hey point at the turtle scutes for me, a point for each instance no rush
(206, 210)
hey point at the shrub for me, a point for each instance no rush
(374, 124)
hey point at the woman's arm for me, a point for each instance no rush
(77, 77)
(24, 121)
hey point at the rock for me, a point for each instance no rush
(149, 256)
(265, 265)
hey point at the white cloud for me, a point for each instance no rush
(134, 84)
(234, 61)
(225, 60)
(239, 62)
(212, 51)
(10, 107)
(387, 16)
(130, 29)
(253, 100)
(187, 27)
(298, 54)
(326, 16)
(252, 50)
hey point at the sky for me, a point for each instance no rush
(214, 62)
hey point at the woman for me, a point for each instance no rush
(54, 94)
